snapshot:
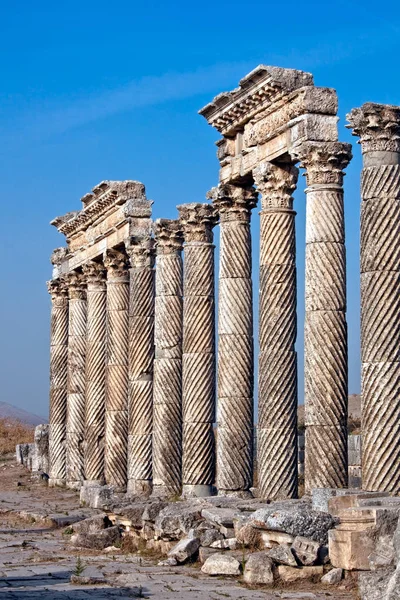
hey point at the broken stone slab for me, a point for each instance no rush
(92, 524)
(220, 516)
(259, 569)
(291, 574)
(221, 564)
(333, 577)
(98, 540)
(184, 549)
(305, 550)
(282, 555)
(177, 519)
(306, 523)
(226, 544)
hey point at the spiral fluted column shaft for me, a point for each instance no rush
(277, 389)
(141, 358)
(167, 395)
(58, 381)
(235, 340)
(378, 127)
(95, 372)
(198, 349)
(76, 379)
(326, 373)
(117, 369)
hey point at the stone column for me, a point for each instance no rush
(141, 358)
(95, 273)
(58, 381)
(277, 388)
(76, 379)
(198, 349)
(326, 385)
(378, 127)
(167, 428)
(116, 450)
(235, 340)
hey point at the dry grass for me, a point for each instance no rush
(12, 433)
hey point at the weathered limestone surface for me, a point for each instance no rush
(95, 273)
(198, 349)
(76, 379)
(117, 369)
(41, 458)
(58, 380)
(326, 385)
(235, 334)
(141, 357)
(277, 390)
(167, 395)
(378, 127)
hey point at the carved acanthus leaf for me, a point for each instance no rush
(198, 220)
(276, 183)
(324, 161)
(377, 126)
(168, 235)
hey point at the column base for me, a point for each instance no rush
(139, 487)
(243, 494)
(95, 495)
(162, 491)
(197, 491)
(56, 482)
(74, 485)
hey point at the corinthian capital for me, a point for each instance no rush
(233, 202)
(141, 251)
(116, 264)
(276, 184)
(377, 126)
(95, 272)
(168, 235)
(76, 285)
(324, 161)
(58, 290)
(198, 220)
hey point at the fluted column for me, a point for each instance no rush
(378, 127)
(76, 379)
(167, 427)
(116, 451)
(277, 388)
(198, 349)
(141, 358)
(326, 373)
(58, 381)
(235, 340)
(95, 372)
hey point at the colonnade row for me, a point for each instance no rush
(133, 365)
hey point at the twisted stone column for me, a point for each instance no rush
(117, 369)
(167, 427)
(58, 380)
(277, 389)
(76, 379)
(141, 357)
(326, 385)
(378, 127)
(235, 340)
(95, 372)
(198, 349)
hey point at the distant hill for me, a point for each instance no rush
(7, 411)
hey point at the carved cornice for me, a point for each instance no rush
(100, 200)
(377, 126)
(259, 89)
(198, 220)
(141, 251)
(58, 290)
(95, 272)
(324, 161)
(117, 264)
(168, 235)
(276, 183)
(76, 285)
(233, 202)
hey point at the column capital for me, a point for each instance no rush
(76, 285)
(141, 251)
(377, 126)
(168, 235)
(233, 202)
(116, 263)
(324, 161)
(95, 272)
(276, 183)
(197, 220)
(58, 291)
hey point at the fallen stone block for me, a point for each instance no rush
(92, 524)
(305, 550)
(208, 536)
(291, 574)
(269, 539)
(351, 499)
(226, 544)
(98, 540)
(221, 564)
(306, 523)
(168, 562)
(374, 585)
(349, 550)
(259, 569)
(96, 496)
(220, 516)
(282, 555)
(176, 519)
(184, 549)
(249, 536)
(333, 577)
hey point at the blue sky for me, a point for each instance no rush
(110, 90)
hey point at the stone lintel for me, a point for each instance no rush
(377, 126)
